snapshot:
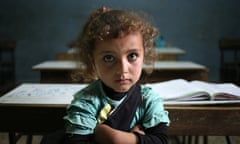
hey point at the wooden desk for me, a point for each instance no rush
(43, 115)
(205, 120)
(60, 71)
(66, 56)
(169, 53)
(164, 54)
(185, 120)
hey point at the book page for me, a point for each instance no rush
(179, 89)
(42, 94)
(219, 90)
(200, 102)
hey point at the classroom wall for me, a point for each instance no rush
(43, 28)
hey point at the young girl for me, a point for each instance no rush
(113, 47)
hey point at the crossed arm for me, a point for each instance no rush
(155, 135)
(105, 134)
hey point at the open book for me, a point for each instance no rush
(42, 94)
(182, 90)
(178, 90)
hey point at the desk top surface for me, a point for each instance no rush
(161, 65)
(60, 95)
(53, 65)
(170, 50)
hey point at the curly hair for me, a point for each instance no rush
(105, 24)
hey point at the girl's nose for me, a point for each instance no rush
(123, 66)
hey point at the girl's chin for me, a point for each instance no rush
(122, 89)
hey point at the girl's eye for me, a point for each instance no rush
(132, 56)
(108, 58)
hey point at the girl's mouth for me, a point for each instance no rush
(123, 81)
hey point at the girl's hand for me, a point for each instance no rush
(138, 129)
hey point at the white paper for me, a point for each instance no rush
(42, 94)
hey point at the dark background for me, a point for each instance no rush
(42, 28)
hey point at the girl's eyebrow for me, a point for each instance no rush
(134, 50)
(111, 52)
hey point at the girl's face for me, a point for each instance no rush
(118, 62)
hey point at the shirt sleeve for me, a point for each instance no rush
(81, 115)
(154, 109)
(154, 135)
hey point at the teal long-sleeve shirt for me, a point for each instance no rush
(83, 112)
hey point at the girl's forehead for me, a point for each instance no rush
(128, 42)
